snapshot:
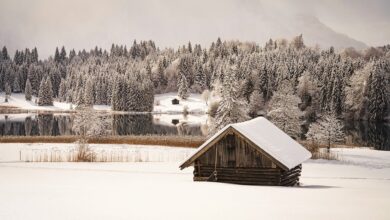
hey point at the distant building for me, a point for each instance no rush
(254, 152)
(175, 101)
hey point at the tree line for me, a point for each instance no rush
(350, 84)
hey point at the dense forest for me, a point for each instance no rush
(351, 84)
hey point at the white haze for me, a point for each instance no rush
(170, 23)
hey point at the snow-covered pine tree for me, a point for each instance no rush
(284, 111)
(57, 57)
(4, 54)
(189, 47)
(377, 92)
(7, 91)
(49, 93)
(134, 94)
(63, 54)
(231, 108)
(297, 42)
(337, 95)
(183, 87)
(160, 74)
(62, 91)
(89, 93)
(256, 103)
(305, 89)
(45, 95)
(200, 77)
(33, 75)
(148, 95)
(16, 85)
(185, 68)
(99, 94)
(327, 130)
(41, 93)
(80, 99)
(115, 95)
(28, 91)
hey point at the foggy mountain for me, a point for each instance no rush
(316, 32)
(171, 23)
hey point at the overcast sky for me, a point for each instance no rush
(85, 23)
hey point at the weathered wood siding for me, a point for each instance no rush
(236, 161)
(232, 151)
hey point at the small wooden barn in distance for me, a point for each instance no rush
(254, 152)
(175, 101)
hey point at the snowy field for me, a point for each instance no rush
(163, 104)
(357, 187)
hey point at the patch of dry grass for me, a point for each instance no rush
(320, 152)
(179, 141)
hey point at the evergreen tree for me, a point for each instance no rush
(63, 54)
(200, 77)
(80, 99)
(183, 88)
(4, 54)
(45, 95)
(189, 47)
(62, 91)
(57, 57)
(284, 111)
(231, 108)
(33, 74)
(185, 69)
(72, 54)
(41, 93)
(115, 95)
(7, 91)
(162, 81)
(297, 42)
(34, 55)
(377, 93)
(256, 103)
(89, 93)
(28, 90)
(16, 85)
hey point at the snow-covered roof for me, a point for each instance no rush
(265, 135)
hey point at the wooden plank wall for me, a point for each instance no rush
(233, 151)
(240, 163)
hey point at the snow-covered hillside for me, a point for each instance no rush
(355, 188)
(163, 104)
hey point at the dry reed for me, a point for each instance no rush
(179, 141)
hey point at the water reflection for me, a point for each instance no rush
(122, 124)
(359, 133)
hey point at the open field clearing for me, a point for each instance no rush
(356, 187)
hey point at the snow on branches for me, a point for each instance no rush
(327, 131)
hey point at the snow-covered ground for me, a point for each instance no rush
(18, 100)
(194, 103)
(357, 187)
(163, 104)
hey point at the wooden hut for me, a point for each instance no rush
(254, 152)
(175, 101)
